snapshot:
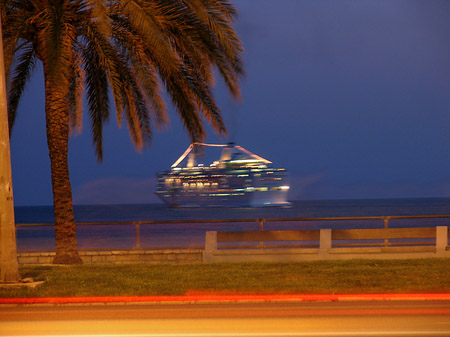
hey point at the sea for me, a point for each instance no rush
(105, 234)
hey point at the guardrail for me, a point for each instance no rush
(259, 222)
(262, 244)
(322, 244)
(326, 238)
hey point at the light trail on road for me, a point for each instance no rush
(325, 319)
(294, 334)
(269, 334)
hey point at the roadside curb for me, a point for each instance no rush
(190, 299)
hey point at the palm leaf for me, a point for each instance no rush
(97, 95)
(22, 73)
(76, 91)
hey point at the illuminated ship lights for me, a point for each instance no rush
(238, 178)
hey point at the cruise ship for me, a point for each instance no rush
(238, 179)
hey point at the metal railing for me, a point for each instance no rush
(259, 221)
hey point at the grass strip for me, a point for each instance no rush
(309, 277)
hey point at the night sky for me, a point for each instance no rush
(352, 97)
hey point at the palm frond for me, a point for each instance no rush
(218, 38)
(97, 95)
(134, 49)
(143, 21)
(76, 91)
(218, 23)
(100, 12)
(13, 27)
(110, 59)
(22, 73)
(137, 48)
(137, 117)
(204, 97)
(186, 108)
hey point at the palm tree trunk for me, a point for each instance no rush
(57, 124)
(9, 268)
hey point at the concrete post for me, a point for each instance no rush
(441, 239)
(9, 268)
(325, 241)
(138, 236)
(210, 241)
(386, 226)
(210, 246)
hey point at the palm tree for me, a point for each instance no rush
(133, 49)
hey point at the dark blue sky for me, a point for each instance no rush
(351, 96)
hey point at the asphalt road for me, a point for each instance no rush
(324, 319)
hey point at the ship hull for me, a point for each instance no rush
(244, 199)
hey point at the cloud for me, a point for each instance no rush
(116, 190)
(305, 187)
(320, 186)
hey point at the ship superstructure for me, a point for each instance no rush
(238, 179)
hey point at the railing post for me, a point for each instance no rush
(261, 224)
(441, 239)
(138, 236)
(386, 226)
(261, 228)
(325, 241)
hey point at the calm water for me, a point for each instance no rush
(192, 235)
